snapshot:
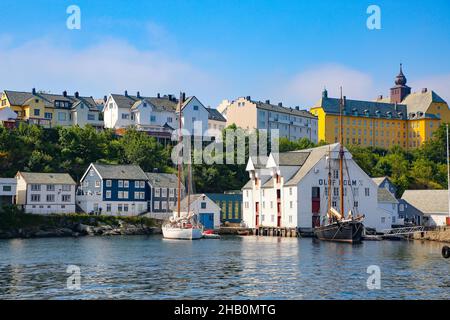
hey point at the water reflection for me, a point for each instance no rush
(231, 268)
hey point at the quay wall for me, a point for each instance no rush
(442, 234)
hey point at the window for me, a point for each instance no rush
(50, 187)
(97, 183)
(136, 184)
(108, 207)
(108, 183)
(66, 187)
(401, 207)
(120, 195)
(164, 205)
(37, 112)
(157, 192)
(272, 218)
(125, 116)
(7, 188)
(108, 194)
(66, 198)
(62, 116)
(290, 191)
(367, 192)
(169, 119)
(125, 194)
(355, 204)
(91, 117)
(203, 205)
(290, 219)
(48, 115)
(383, 220)
(291, 204)
(50, 198)
(142, 184)
(120, 183)
(196, 108)
(157, 205)
(125, 207)
(35, 187)
(152, 118)
(119, 207)
(137, 195)
(126, 183)
(171, 192)
(335, 191)
(164, 192)
(335, 174)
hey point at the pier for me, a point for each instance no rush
(276, 232)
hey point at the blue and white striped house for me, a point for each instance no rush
(114, 190)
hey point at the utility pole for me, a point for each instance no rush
(448, 174)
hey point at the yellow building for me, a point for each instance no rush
(404, 119)
(50, 110)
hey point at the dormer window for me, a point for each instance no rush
(195, 108)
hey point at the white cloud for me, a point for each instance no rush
(306, 86)
(108, 66)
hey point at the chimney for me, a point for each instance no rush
(297, 108)
(249, 98)
(159, 95)
(380, 97)
(105, 98)
(170, 97)
(126, 93)
(267, 101)
(33, 91)
(77, 94)
(183, 97)
(138, 95)
(65, 93)
(424, 90)
(280, 104)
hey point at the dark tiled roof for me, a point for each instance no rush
(428, 201)
(293, 158)
(17, 98)
(125, 172)
(214, 114)
(161, 104)
(163, 180)
(372, 109)
(277, 108)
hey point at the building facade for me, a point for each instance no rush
(45, 193)
(292, 123)
(230, 205)
(216, 121)
(195, 117)
(8, 188)
(291, 190)
(163, 193)
(50, 110)
(387, 200)
(114, 190)
(207, 211)
(155, 115)
(431, 206)
(403, 119)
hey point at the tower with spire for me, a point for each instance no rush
(400, 91)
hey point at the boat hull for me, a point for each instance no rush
(348, 231)
(182, 233)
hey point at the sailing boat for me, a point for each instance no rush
(182, 227)
(338, 227)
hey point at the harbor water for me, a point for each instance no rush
(149, 267)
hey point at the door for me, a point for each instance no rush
(207, 220)
(315, 205)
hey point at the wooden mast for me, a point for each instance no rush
(329, 185)
(341, 157)
(180, 141)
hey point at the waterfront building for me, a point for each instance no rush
(230, 204)
(195, 117)
(50, 110)
(114, 190)
(387, 200)
(292, 123)
(427, 207)
(45, 193)
(403, 119)
(8, 188)
(154, 115)
(163, 193)
(208, 211)
(291, 190)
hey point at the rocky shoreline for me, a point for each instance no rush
(77, 229)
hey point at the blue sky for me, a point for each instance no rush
(279, 50)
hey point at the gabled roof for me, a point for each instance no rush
(214, 114)
(17, 98)
(163, 180)
(385, 196)
(164, 103)
(121, 172)
(428, 201)
(379, 180)
(46, 178)
(292, 158)
(371, 109)
(281, 109)
(248, 185)
(192, 198)
(421, 101)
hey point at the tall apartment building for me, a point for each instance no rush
(403, 119)
(292, 123)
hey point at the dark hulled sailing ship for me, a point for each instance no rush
(337, 227)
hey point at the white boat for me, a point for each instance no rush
(179, 233)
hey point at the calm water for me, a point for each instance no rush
(230, 268)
